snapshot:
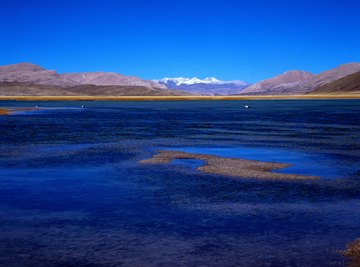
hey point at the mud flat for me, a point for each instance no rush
(229, 166)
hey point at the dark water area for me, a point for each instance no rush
(73, 193)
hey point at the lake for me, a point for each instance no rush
(73, 193)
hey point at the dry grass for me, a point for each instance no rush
(7, 111)
(229, 166)
(352, 253)
(149, 98)
(4, 111)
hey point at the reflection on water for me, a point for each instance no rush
(73, 194)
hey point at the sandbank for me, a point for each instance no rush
(230, 166)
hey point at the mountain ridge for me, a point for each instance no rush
(30, 73)
(347, 84)
(293, 82)
(279, 83)
(301, 84)
(29, 89)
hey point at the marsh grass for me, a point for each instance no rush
(4, 111)
(352, 253)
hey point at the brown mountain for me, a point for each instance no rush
(347, 84)
(30, 73)
(29, 89)
(328, 76)
(33, 74)
(299, 82)
(20, 67)
(110, 78)
(280, 84)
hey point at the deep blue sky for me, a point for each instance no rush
(247, 40)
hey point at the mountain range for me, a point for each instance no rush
(31, 73)
(110, 78)
(347, 84)
(299, 82)
(207, 86)
(31, 79)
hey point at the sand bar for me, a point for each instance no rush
(229, 166)
(172, 98)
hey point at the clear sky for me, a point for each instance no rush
(248, 40)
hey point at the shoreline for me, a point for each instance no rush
(180, 98)
(233, 167)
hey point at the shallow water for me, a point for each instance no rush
(72, 192)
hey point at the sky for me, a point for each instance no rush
(248, 40)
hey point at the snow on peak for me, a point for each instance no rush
(188, 81)
(194, 80)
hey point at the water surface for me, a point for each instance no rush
(72, 192)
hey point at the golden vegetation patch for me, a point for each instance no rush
(230, 166)
(4, 111)
(352, 253)
(170, 98)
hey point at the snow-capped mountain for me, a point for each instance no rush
(194, 80)
(207, 86)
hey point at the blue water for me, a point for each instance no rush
(72, 192)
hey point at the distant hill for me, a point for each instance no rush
(20, 67)
(329, 76)
(33, 74)
(299, 82)
(280, 84)
(347, 84)
(207, 86)
(110, 78)
(28, 89)
(29, 79)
